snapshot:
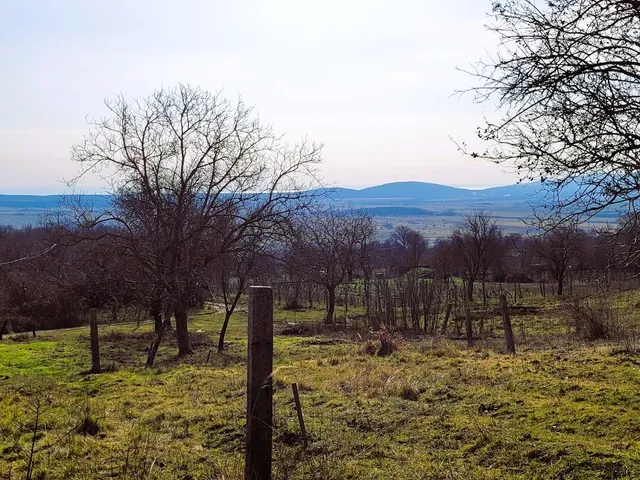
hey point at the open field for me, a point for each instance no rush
(433, 409)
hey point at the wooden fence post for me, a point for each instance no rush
(259, 385)
(469, 328)
(95, 347)
(508, 331)
(296, 399)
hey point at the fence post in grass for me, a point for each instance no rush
(508, 331)
(469, 328)
(95, 347)
(259, 385)
(296, 399)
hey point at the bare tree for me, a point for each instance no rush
(474, 245)
(442, 258)
(559, 251)
(230, 274)
(329, 246)
(409, 247)
(567, 80)
(187, 168)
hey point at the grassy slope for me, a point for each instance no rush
(557, 410)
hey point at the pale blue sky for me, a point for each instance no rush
(372, 80)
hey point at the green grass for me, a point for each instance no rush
(433, 409)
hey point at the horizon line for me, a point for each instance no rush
(30, 193)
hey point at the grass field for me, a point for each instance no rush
(434, 409)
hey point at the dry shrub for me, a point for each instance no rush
(383, 346)
(387, 345)
(593, 318)
(629, 342)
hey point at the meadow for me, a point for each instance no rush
(435, 408)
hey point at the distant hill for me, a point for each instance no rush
(430, 192)
(403, 191)
(418, 199)
(21, 210)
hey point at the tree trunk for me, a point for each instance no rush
(560, 284)
(157, 319)
(470, 289)
(182, 331)
(95, 345)
(153, 349)
(3, 328)
(346, 302)
(446, 319)
(367, 306)
(331, 304)
(508, 331)
(223, 330)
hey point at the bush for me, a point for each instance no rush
(383, 346)
(593, 318)
(387, 345)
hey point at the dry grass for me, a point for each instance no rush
(563, 408)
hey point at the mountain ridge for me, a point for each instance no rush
(425, 191)
(393, 190)
(390, 199)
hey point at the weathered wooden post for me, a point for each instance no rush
(259, 385)
(469, 328)
(296, 399)
(95, 347)
(508, 331)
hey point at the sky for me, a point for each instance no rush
(374, 81)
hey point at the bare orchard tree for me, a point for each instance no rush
(228, 277)
(567, 81)
(328, 248)
(442, 259)
(474, 246)
(409, 247)
(559, 251)
(187, 168)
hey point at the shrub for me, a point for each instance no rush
(593, 318)
(629, 342)
(387, 345)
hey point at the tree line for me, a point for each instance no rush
(321, 254)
